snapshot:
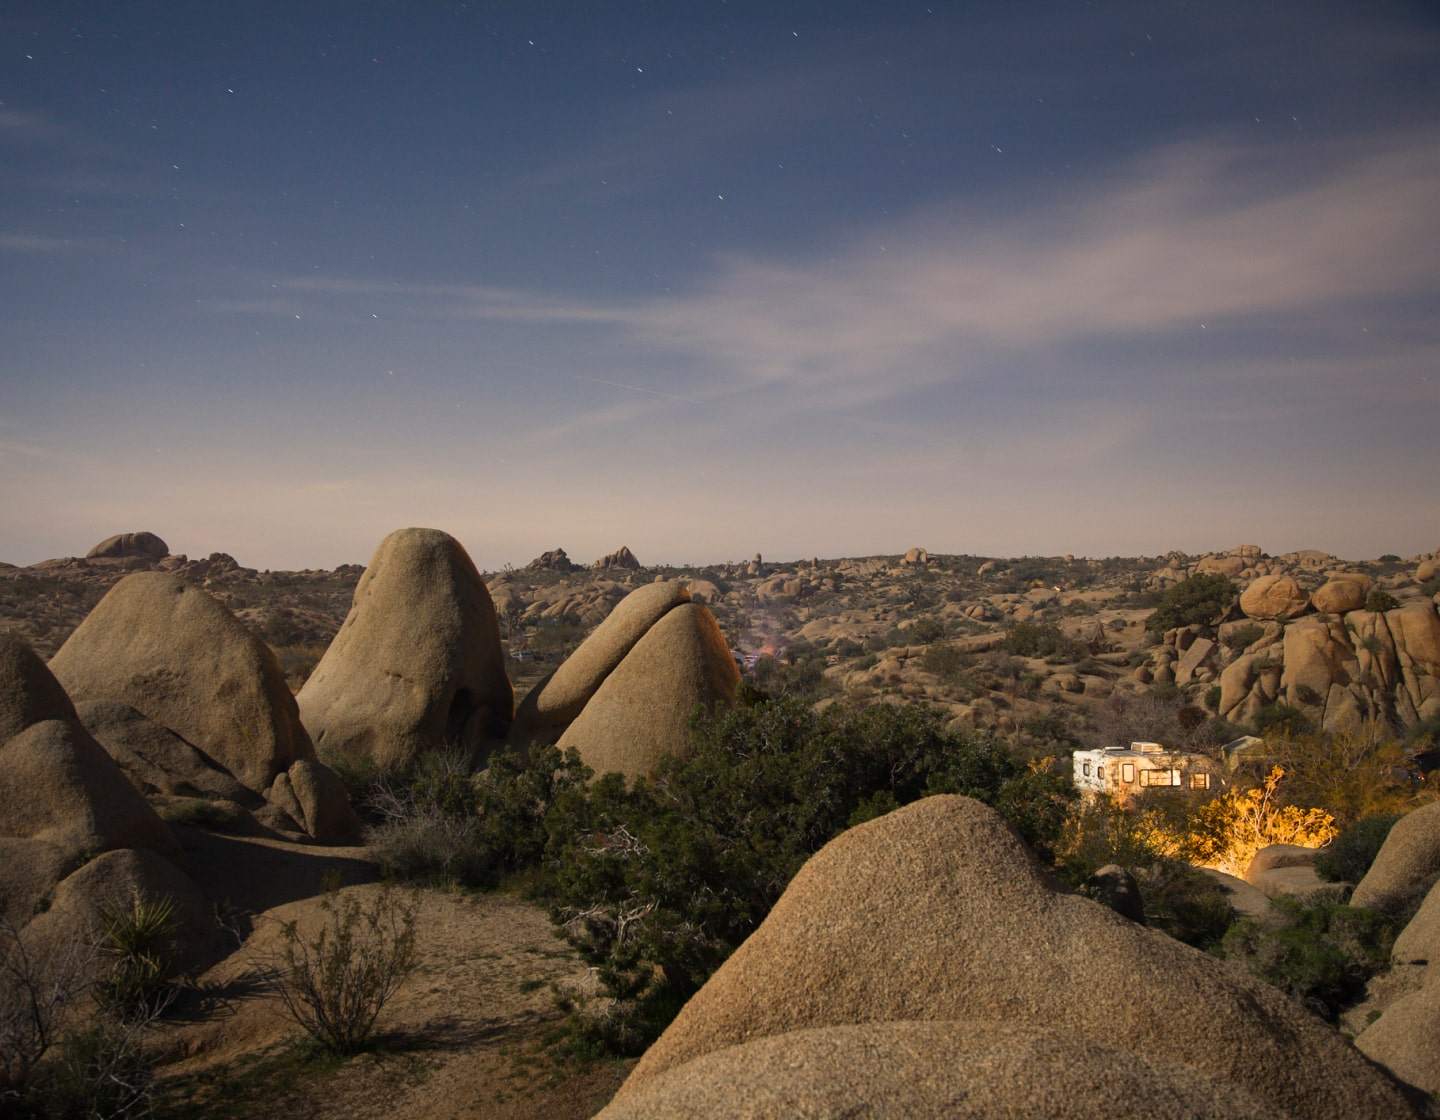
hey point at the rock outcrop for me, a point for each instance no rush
(550, 707)
(937, 913)
(417, 663)
(622, 557)
(641, 712)
(553, 561)
(175, 654)
(1341, 593)
(177, 657)
(127, 545)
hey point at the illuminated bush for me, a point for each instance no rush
(1227, 831)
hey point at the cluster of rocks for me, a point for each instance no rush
(622, 557)
(923, 965)
(554, 560)
(623, 699)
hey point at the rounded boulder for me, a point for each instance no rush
(1274, 598)
(937, 912)
(175, 654)
(417, 664)
(126, 545)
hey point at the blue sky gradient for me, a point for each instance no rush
(707, 279)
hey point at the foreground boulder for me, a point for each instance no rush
(935, 1071)
(128, 545)
(417, 663)
(937, 912)
(554, 703)
(1405, 1039)
(177, 655)
(641, 713)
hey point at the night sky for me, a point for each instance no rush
(711, 278)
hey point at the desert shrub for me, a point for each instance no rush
(1351, 775)
(34, 992)
(1431, 587)
(946, 661)
(1197, 600)
(100, 1071)
(1320, 951)
(1155, 717)
(1042, 639)
(927, 630)
(1243, 637)
(443, 824)
(1226, 831)
(1184, 902)
(1350, 855)
(137, 941)
(336, 981)
(1212, 697)
(657, 884)
(1281, 719)
(1378, 600)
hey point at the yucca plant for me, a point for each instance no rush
(138, 940)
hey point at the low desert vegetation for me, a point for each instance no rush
(1199, 600)
(336, 980)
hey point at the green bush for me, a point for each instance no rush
(1243, 636)
(1042, 639)
(656, 885)
(1379, 600)
(1320, 951)
(1351, 853)
(444, 825)
(1184, 902)
(1197, 600)
(1281, 719)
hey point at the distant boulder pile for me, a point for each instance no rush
(191, 703)
(417, 664)
(921, 964)
(553, 561)
(623, 700)
(622, 557)
(127, 545)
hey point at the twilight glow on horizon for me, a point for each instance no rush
(707, 279)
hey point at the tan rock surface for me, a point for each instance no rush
(1407, 864)
(417, 663)
(178, 656)
(933, 1071)
(553, 703)
(29, 692)
(641, 713)
(937, 912)
(1273, 598)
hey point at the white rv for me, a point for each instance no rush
(1127, 771)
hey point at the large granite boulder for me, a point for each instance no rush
(130, 545)
(937, 912)
(417, 664)
(641, 712)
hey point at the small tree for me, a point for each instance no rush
(1197, 600)
(335, 983)
(1228, 830)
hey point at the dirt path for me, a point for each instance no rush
(464, 1037)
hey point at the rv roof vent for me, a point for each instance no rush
(1147, 748)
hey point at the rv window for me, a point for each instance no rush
(1199, 781)
(1100, 772)
(1159, 777)
(1127, 773)
(1085, 769)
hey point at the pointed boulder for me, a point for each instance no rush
(641, 713)
(29, 692)
(554, 703)
(417, 664)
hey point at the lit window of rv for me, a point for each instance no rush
(1200, 781)
(1127, 773)
(1159, 777)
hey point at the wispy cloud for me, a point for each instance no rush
(47, 245)
(1190, 238)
